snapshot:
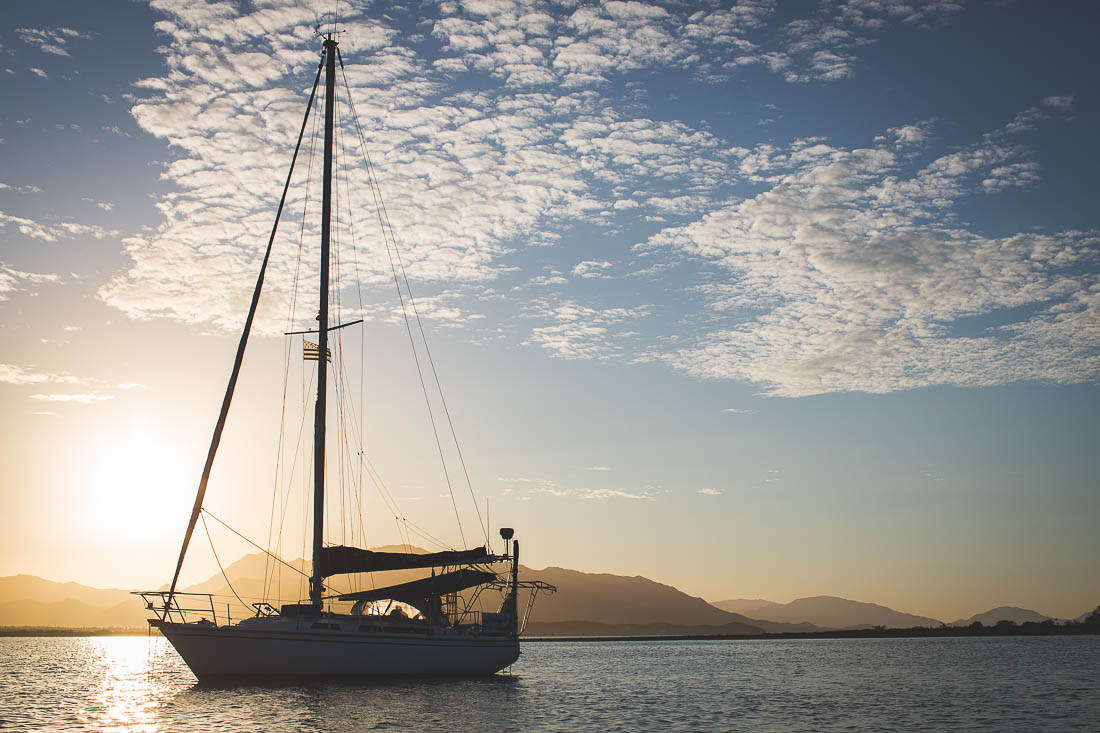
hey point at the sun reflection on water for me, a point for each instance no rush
(134, 677)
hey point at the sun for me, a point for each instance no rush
(138, 483)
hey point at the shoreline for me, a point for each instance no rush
(916, 632)
(63, 631)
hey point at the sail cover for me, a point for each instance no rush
(341, 559)
(417, 590)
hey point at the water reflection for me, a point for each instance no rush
(138, 684)
(1005, 685)
(347, 704)
(132, 678)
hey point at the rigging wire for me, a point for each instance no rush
(273, 556)
(350, 472)
(278, 559)
(347, 402)
(210, 539)
(335, 295)
(298, 451)
(384, 222)
(215, 439)
(278, 461)
(356, 471)
(291, 313)
(354, 431)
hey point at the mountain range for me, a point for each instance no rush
(828, 612)
(585, 604)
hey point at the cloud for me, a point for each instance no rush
(849, 275)
(545, 487)
(578, 331)
(614, 494)
(591, 268)
(50, 40)
(469, 172)
(553, 277)
(709, 492)
(53, 231)
(440, 308)
(1062, 102)
(821, 47)
(594, 494)
(39, 72)
(585, 44)
(838, 268)
(13, 281)
(739, 411)
(910, 136)
(87, 398)
(463, 175)
(13, 374)
(1027, 120)
(20, 189)
(598, 468)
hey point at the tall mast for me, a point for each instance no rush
(322, 331)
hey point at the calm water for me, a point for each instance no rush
(998, 684)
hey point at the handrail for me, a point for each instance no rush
(169, 605)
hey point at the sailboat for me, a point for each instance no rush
(441, 633)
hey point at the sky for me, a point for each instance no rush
(758, 299)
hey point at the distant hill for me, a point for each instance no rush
(611, 600)
(1003, 613)
(585, 604)
(128, 613)
(26, 600)
(616, 599)
(19, 587)
(622, 600)
(745, 606)
(830, 612)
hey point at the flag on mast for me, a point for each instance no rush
(312, 351)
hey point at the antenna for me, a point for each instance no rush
(335, 22)
(330, 34)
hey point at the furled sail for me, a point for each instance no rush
(417, 590)
(341, 559)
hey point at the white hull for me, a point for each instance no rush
(279, 647)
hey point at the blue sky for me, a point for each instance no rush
(807, 293)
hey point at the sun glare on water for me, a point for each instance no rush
(133, 684)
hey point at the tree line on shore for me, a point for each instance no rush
(1090, 624)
